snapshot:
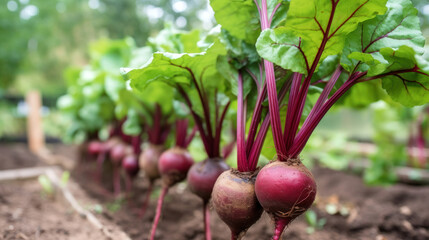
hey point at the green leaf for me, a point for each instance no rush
(132, 125)
(283, 48)
(410, 88)
(113, 85)
(109, 55)
(311, 218)
(239, 17)
(47, 186)
(363, 94)
(175, 41)
(397, 27)
(315, 27)
(183, 69)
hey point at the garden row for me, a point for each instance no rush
(270, 64)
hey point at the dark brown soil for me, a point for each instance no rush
(398, 212)
(25, 213)
(17, 155)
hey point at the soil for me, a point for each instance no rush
(17, 155)
(356, 211)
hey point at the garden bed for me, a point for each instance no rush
(383, 213)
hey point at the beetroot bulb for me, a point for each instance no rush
(117, 153)
(148, 162)
(95, 147)
(203, 175)
(201, 179)
(173, 166)
(233, 194)
(285, 189)
(235, 201)
(130, 164)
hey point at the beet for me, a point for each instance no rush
(203, 175)
(201, 179)
(95, 147)
(130, 164)
(285, 190)
(118, 152)
(173, 165)
(235, 201)
(148, 161)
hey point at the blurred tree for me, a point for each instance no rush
(40, 38)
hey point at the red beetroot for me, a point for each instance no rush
(203, 175)
(148, 161)
(201, 179)
(173, 166)
(130, 164)
(119, 151)
(105, 149)
(235, 201)
(285, 190)
(95, 147)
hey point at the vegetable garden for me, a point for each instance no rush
(218, 134)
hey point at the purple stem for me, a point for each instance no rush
(181, 129)
(206, 212)
(205, 105)
(198, 122)
(259, 142)
(255, 79)
(191, 136)
(293, 105)
(273, 104)
(257, 146)
(158, 212)
(297, 112)
(219, 124)
(156, 124)
(256, 118)
(305, 133)
(136, 143)
(274, 12)
(241, 122)
(323, 96)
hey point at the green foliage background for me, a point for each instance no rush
(39, 38)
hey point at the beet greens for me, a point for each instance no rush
(202, 89)
(273, 55)
(329, 46)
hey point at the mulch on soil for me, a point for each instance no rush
(398, 212)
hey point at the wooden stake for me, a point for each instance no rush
(36, 139)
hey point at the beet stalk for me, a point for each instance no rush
(173, 166)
